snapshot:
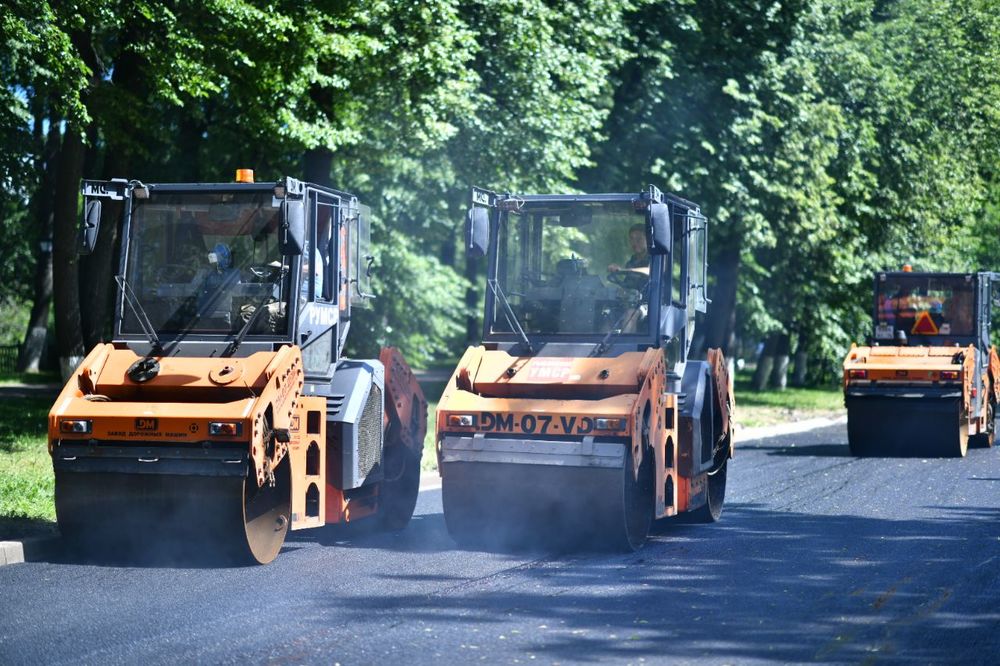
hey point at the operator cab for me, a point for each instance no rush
(229, 269)
(935, 309)
(579, 275)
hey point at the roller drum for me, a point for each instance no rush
(164, 517)
(906, 427)
(514, 505)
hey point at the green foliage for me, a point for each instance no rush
(825, 139)
(26, 481)
(419, 307)
(769, 407)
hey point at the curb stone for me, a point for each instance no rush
(30, 549)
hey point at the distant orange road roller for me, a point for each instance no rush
(581, 414)
(929, 382)
(223, 413)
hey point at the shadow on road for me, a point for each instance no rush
(833, 450)
(786, 587)
(426, 533)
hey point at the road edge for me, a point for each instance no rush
(35, 548)
(795, 427)
(29, 549)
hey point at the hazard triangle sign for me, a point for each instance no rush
(924, 325)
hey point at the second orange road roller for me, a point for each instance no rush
(929, 381)
(581, 414)
(223, 413)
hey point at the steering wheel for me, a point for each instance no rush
(628, 279)
(263, 272)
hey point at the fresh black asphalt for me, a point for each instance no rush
(819, 557)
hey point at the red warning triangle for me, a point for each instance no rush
(924, 325)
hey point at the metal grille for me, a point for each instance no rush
(370, 433)
(333, 404)
(8, 358)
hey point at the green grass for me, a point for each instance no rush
(428, 463)
(29, 378)
(760, 408)
(26, 482)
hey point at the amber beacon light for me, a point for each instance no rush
(244, 175)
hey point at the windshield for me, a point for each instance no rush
(204, 262)
(925, 305)
(570, 269)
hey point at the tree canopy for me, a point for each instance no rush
(825, 139)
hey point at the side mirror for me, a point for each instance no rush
(477, 231)
(91, 225)
(661, 234)
(293, 227)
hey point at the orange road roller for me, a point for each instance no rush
(927, 384)
(581, 414)
(223, 413)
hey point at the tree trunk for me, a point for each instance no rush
(801, 374)
(33, 346)
(721, 320)
(97, 270)
(765, 364)
(779, 374)
(189, 140)
(66, 286)
(318, 165)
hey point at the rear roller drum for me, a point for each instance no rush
(711, 510)
(885, 426)
(463, 515)
(266, 513)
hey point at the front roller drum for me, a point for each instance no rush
(906, 427)
(501, 505)
(161, 517)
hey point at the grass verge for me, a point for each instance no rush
(764, 408)
(432, 392)
(27, 504)
(29, 378)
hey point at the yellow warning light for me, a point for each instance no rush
(244, 175)
(906, 267)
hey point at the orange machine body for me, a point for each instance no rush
(927, 367)
(585, 402)
(249, 397)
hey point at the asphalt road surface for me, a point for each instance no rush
(818, 557)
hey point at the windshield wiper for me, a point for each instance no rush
(140, 313)
(238, 340)
(509, 315)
